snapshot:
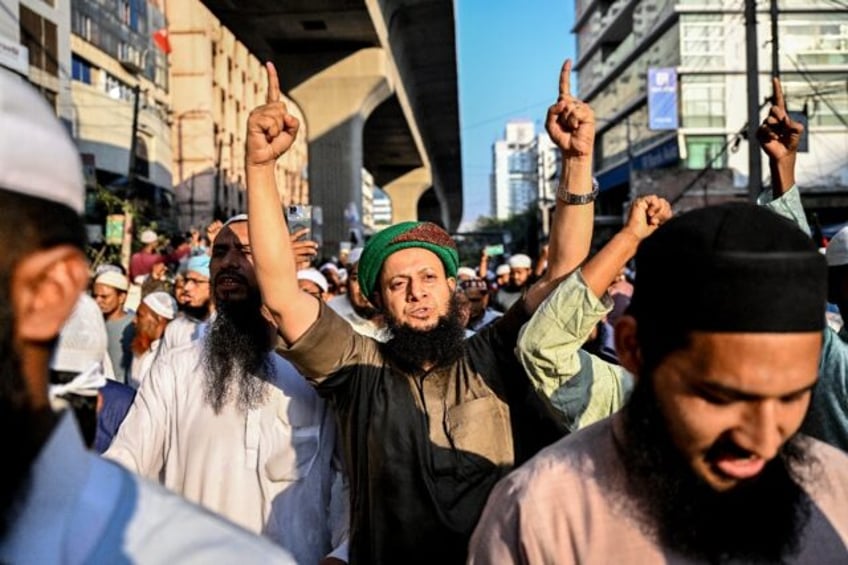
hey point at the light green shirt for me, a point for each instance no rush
(582, 387)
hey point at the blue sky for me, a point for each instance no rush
(510, 53)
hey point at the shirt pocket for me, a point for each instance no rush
(294, 453)
(479, 434)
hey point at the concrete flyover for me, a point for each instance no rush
(377, 83)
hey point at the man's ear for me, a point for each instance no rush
(45, 288)
(627, 345)
(452, 284)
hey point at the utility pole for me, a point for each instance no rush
(775, 42)
(133, 142)
(755, 174)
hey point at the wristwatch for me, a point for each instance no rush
(577, 199)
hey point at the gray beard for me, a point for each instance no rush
(236, 360)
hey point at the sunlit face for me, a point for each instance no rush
(231, 267)
(109, 299)
(731, 400)
(518, 275)
(414, 288)
(147, 322)
(196, 290)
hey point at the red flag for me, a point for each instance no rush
(160, 38)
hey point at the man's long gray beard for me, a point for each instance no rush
(236, 360)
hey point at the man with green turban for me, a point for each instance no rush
(429, 421)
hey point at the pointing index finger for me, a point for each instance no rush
(273, 84)
(565, 80)
(779, 101)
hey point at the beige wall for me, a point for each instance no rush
(215, 83)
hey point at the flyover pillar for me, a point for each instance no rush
(405, 192)
(336, 102)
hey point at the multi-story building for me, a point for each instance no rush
(703, 43)
(35, 43)
(525, 170)
(215, 83)
(381, 209)
(121, 102)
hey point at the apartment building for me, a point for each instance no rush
(701, 44)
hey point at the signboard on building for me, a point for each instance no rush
(114, 229)
(14, 56)
(662, 99)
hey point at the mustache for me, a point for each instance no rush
(231, 274)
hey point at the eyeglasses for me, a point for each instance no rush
(193, 280)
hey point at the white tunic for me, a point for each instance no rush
(83, 509)
(270, 470)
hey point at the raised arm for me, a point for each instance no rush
(271, 130)
(779, 137)
(571, 126)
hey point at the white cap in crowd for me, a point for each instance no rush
(519, 261)
(836, 251)
(113, 279)
(465, 272)
(502, 270)
(354, 255)
(148, 236)
(314, 275)
(162, 303)
(47, 164)
(83, 340)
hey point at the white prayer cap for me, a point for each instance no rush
(236, 218)
(148, 236)
(502, 270)
(836, 251)
(467, 272)
(113, 279)
(354, 255)
(83, 340)
(162, 303)
(329, 265)
(37, 157)
(315, 276)
(519, 261)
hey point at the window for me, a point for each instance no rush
(702, 101)
(702, 41)
(702, 149)
(38, 35)
(80, 69)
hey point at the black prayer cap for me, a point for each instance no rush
(735, 267)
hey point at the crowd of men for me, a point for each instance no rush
(676, 397)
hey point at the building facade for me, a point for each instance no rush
(215, 83)
(703, 43)
(35, 43)
(121, 102)
(525, 169)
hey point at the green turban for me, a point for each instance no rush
(403, 236)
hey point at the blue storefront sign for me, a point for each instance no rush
(662, 98)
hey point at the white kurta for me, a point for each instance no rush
(141, 364)
(83, 509)
(270, 470)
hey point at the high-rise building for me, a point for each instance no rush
(701, 44)
(525, 167)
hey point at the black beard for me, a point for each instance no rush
(760, 521)
(195, 312)
(236, 356)
(365, 312)
(410, 349)
(20, 445)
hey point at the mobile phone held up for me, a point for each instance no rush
(299, 216)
